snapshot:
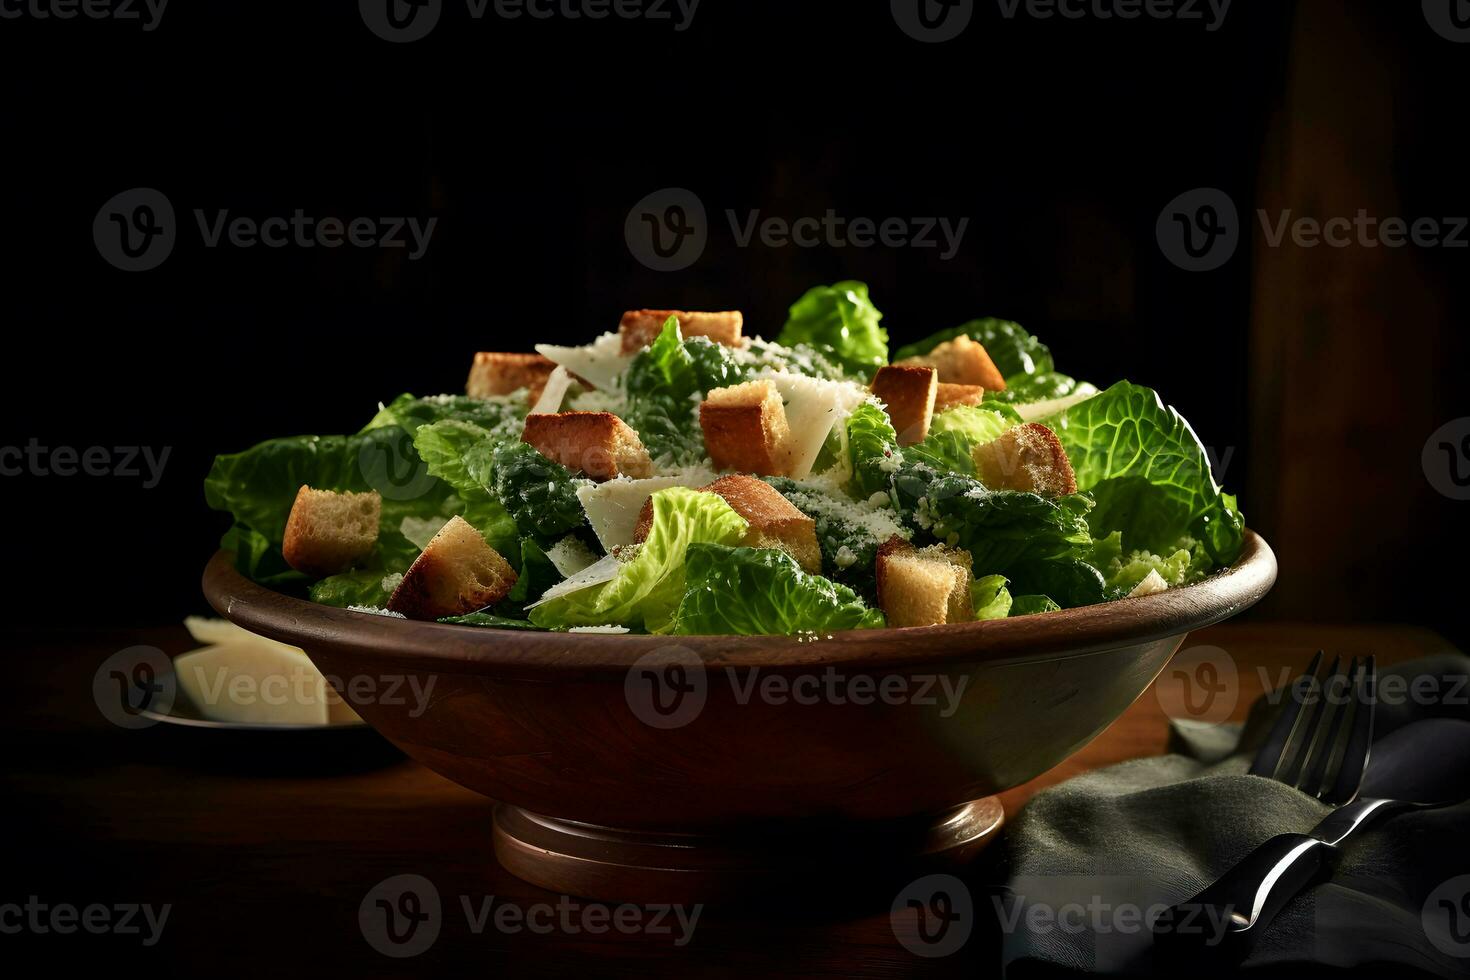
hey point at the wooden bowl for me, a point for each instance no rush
(652, 768)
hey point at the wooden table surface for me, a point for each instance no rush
(265, 873)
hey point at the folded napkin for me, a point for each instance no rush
(1087, 860)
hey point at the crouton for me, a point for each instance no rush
(457, 573)
(1027, 457)
(909, 391)
(599, 444)
(962, 361)
(500, 374)
(328, 531)
(774, 521)
(923, 586)
(745, 428)
(950, 396)
(639, 328)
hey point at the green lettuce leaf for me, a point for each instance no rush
(954, 432)
(1036, 388)
(1149, 474)
(1027, 605)
(1015, 352)
(459, 453)
(662, 384)
(540, 494)
(990, 597)
(1068, 581)
(849, 532)
(503, 416)
(843, 319)
(762, 591)
(647, 590)
(872, 447)
(811, 360)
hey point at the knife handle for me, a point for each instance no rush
(1237, 907)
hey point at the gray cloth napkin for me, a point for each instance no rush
(1087, 860)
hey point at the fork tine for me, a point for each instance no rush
(1296, 756)
(1360, 740)
(1326, 754)
(1269, 757)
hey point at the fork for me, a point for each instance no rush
(1320, 745)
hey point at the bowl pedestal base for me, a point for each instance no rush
(834, 856)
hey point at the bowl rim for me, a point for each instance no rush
(473, 649)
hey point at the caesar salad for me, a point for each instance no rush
(677, 476)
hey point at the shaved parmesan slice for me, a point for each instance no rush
(554, 393)
(612, 507)
(600, 363)
(570, 556)
(1032, 411)
(813, 407)
(1153, 583)
(608, 630)
(600, 572)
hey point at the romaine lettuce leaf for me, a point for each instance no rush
(1036, 388)
(647, 589)
(663, 385)
(501, 415)
(1015, 352)
(842, 318)
(762, 591)
(811, 360)
(1068, 581)
(954, 432)
(1149, 474)
(990, 597)
(872, 447)
(1027, 605)
(849, 532)
(459, 453)
(540, 494)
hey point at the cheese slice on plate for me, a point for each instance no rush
(240, 676)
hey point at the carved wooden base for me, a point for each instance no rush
(833, 858)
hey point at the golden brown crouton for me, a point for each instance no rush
(598, 443)
(962, 361)
(909, 391)
(774, 521)
(457, 573)
(923, 586)
(500, 374)
(1027, 457)
(328, 531)
(950, 396)
(745, 428)
(639, 328)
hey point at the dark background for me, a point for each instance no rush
(1316, 375)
